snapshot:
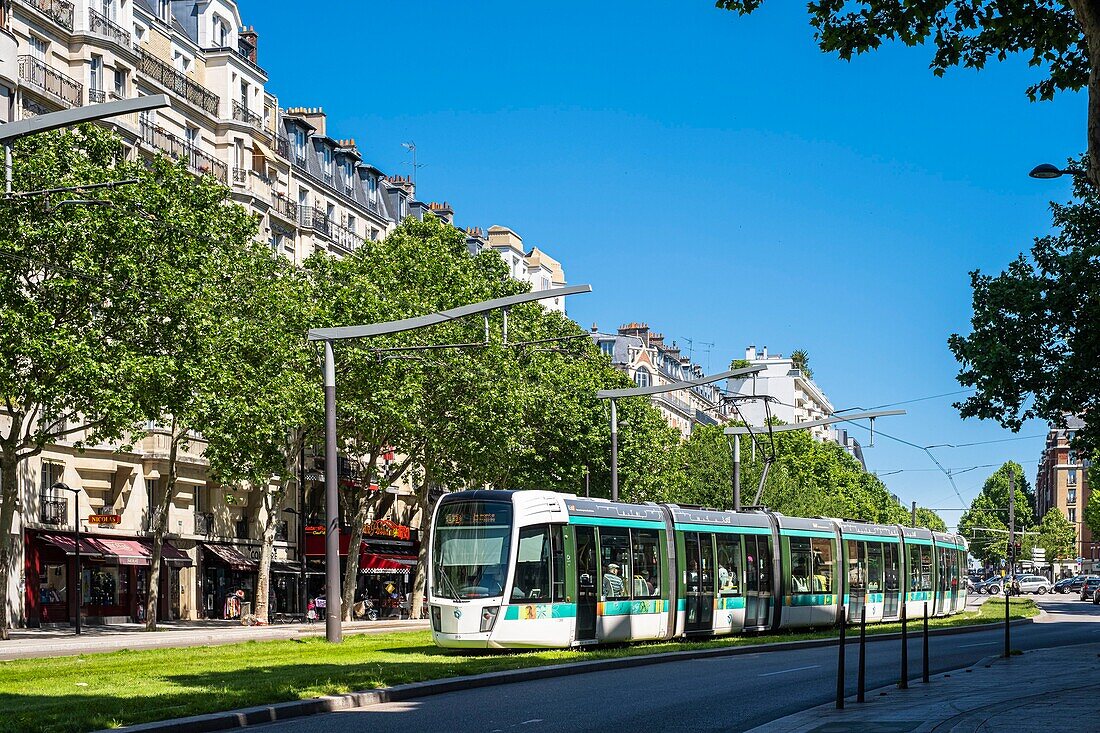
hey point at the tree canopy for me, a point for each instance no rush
(985, 523)
(1062, 37)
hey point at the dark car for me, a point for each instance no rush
(1076, 583)
(1063, 585)
(1089, 587)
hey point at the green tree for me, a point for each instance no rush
(928, 518)
(985, 523)
(801, 361)
(1032, 349)
(1091, 515)
(84, 299)
(1060, 36)
(1057, 536)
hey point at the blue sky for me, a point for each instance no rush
(717, 177)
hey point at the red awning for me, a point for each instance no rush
(68, 545)
(381, 564)
(121, 551)
(232, 557)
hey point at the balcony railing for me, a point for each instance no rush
(63, 88)
(95, 96)
(54, 511)
(177, 82)
(240, 175)
(243, 114)
(345, 237)
(313, 218)
(59, 11)
(282, 147)
(180, 149)
(204, 524)
(284, 206)
(101, 25)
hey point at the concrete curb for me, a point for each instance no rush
(244, 717)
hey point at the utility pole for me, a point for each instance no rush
(736, 473)
(914, 514)
(1011, 522)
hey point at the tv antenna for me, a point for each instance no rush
(691, 347)
(411, 147)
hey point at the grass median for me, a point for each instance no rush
(70, 694)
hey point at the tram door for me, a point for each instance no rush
(586, 582)
(699, 566)
(892, 590)
(758, 589)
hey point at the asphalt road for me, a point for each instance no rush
(729, 693)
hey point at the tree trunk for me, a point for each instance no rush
(1088, 17)
(274, 498)
(351, 570)
(9, 465)
(420, 580)
(160, 527)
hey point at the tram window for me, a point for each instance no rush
(614, 562)
(822, 581)
(920, 567)
(890, 551)
(646, 580)
(801, 565)
(729, 564)
(532, 577)
(557, 548)
(857, 566)
(874, 567)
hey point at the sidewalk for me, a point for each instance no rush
(1036, 692)
(31, 643)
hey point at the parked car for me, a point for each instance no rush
(1075, 584)
(1034, 584)
(1089, 587)
(1062, 586)
(995, 585)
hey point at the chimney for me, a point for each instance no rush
(249, 40)
(750, 352)
(765, 356)
(595, 329)
(314, 116)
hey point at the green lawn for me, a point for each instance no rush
(119, 688)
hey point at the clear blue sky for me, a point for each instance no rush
(714, 176)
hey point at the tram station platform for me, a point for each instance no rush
(1034, 692)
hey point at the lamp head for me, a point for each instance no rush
(62, 486)
(1046, 170)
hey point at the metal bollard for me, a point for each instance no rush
(862, 677)
(903, 683)
(840, 663)
(924, 677)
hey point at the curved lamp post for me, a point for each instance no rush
(62, 486)
(1048, 170)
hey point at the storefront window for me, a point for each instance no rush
(51, 584)
(101, 586)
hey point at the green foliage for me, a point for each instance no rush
(985, 523)
(1057, 536)
(928, 518)
(801, 361)
(740, 364)
(965, 33)
(1092, 506)
(1032, 351)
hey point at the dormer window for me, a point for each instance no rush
(349, 170)
(326, 162)
(300, 145)
(220, 32)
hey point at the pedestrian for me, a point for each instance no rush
(311, 611)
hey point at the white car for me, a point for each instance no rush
(1034, 584)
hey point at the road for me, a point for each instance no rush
(727, 693)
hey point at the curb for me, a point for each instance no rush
(276, 712)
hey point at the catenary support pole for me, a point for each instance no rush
(303, 592)
(79, 570)
(614, 452)
(861, 679)
(840, 664)
(924, 670)
(914, 514)
(334, 632)
(903, 683)
(737, 473)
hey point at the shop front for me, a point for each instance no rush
(115, 574)
(228, 582)
(387, 561)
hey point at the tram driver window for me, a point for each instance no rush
(532, 578)
(801, 565)
(729, 565)
(614, 562)
(646, 580)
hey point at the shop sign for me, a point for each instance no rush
(390, 587)
(104, 519)
(386, 528)
(315, 530)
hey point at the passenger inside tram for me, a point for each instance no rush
(800, 578)
(613, 585)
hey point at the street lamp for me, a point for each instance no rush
(1047, 170)
(62, 486)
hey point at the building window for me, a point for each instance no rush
(641, 377)
(607, 347)
(220, 35)
(326, 162)
(95, 77)
(1071, 477)
(1071, 496)
(120, 83)
(108, 10)
(38, 48)
(139, 32)
(300, 144)
(1072, 515)
(181, 61)
(192, 134)
(353, 224)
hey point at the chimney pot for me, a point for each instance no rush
(750, 352)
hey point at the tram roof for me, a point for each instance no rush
(602, 509)
(683, 515)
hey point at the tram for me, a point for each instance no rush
(530, 569)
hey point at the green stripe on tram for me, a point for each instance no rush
(608, 522)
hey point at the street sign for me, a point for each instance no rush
(1038, 554)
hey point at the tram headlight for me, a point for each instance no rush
(437, 619)
(489, 617)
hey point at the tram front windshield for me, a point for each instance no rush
(470, 554)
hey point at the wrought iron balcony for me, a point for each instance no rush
(95, 96)
(177, 82)
(240, 175)
(180, 149)
(53, 83)
(54, 511)
(283, 206)
(346, 238)
(313, 218)
(243, 114)
(282, 147)
(204, 523)
(59, 11)
(101, 25)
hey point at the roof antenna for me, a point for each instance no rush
(411, 147)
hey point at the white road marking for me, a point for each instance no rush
(984, 643)
(785, 671)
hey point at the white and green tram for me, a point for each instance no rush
(543, 569)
